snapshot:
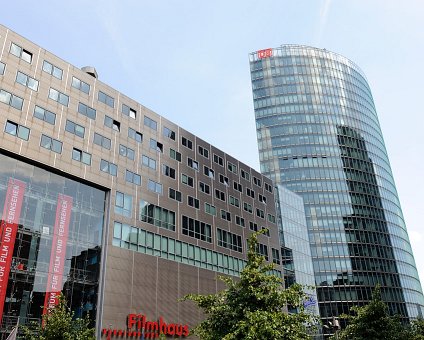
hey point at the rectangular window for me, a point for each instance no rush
(59, 97)
(210, 209)
(202, 151)
(158, 216)
(187, 143)
(81, 156)
(266, 231)
(229, 240)
(155, 187)
(218, 160)
(168, 133)
(137, 136)
(175, 155)
(80, 85)
(253, 226)
(123, 204)
(240, 221)
(102, 141)
(196, 229)
(25, 80)
(257, 181)
(192, 163)
(111, 123)
(53, 70)
(232, 167)
(262, 198)
(245, 175)
(51, 144)
(247, 207)
(175, 195)
(12, 100)
(275, 256)
(203, 187)
(132, 177)
(155, 145)
(225, 215)
(108, 167)
(106, 99)
(76, 129)
(193, 202)
(250, 192)
(126, 152)
(260, 213)
(208, 172)
(17, 130)
(271, 218)
(220, 195)
(2, 68)
(168, 171)
(87, 111)
(127, 111)
(150, 123)
(268, 187)
(237, 186)
(187, 180)
(21, 53)
(262, 249)
(234, 201)
(224, 180)
(45, 115)
(149, 162)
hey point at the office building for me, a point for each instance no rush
(319, 136)
(115, 206)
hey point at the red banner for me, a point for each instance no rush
(8, 229)
(58, 252)
(265, 53)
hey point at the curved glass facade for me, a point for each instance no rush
(319, 135)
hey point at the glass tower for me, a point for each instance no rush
(319, 136)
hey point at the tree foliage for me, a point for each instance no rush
(253, 306)
(417, 329)
(59, 324)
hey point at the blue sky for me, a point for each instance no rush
(188, 61)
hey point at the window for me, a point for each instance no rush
(218, 159)
(102, 141)
(247, 207)
(193, 202)
(168, 171)
(111, 123)
(203, 187)
(17, 130)
(196, 229)
(123, 204)
(157, 216)
(229, 240)
(234, 201)
(187, 143)
(260, 213)
(74, 128)
(155, 145)
(250, 192)
(271, 218)
(266, 231)
(126, 152)
(257, 181)
(210, 209)
(268, 187)
(137, 136)
(224, 180)
(21, 53)
(225, 215)
(262, 249)
(132, 177)
(59, 97)
(104, 98)
(23, 79)
(12, 100)
(51, 144)
(253, 226)
(168, 133)
(175, 155)
(240, 221)
(187, 180)
(45, 115)
(245, 175)
(192, 163)
(154, 186)
(149, 162)
(219, 195)
(2, 68)
(237, 186)
(175, 195)
(204, 152)
(127, 111)
(232, 167)
(150, 123)
(80, 85)
(53, 70)
(87, 111)
(108, 167)
(81, 156)
(262, 198)
(208, 172)
(275, 256)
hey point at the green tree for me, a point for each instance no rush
(59, 324)
(253, 306)
(417, 329)
(373, 321)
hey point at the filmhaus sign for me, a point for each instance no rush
(138, 327)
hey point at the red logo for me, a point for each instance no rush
(265, 53)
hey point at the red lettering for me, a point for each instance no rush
(162, 326)
(132, 319)
(171, 329)
(185, 330)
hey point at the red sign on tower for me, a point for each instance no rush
(265, 53)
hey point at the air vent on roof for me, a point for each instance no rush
(90, 70)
